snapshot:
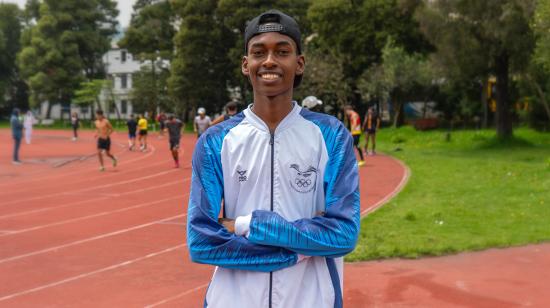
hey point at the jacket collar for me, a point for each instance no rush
(285, 123)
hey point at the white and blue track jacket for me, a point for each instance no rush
(296, 199)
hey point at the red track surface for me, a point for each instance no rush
(71, 236)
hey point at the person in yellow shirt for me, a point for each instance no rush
(355, 129)
(142, 133)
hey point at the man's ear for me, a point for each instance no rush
(301, 65)
(244, 66)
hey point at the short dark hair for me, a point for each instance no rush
(231, 106)
(171, 117)
(99, 112)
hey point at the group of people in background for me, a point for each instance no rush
(138, 129)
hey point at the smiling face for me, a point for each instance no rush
(272, 63)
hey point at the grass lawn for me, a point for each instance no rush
(471, 193)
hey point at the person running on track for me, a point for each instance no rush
(132, 127)
(355, 128)
(370, 126)
(142, 133)
(288, 181)
(173, 127)
(104, 129)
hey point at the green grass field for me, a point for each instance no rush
(471, 193)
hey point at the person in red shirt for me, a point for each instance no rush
(355, 129)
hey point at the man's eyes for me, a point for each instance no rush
(261, 53)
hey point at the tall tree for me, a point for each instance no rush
(398, 77)
(199, 70)
(478, 38)
(150, 38)
(10, 31)
(64, 47)
(357, 31)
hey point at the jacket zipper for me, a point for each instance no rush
(272, 143)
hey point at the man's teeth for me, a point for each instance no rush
(270, 76)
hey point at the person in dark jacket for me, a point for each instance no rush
(17, 134)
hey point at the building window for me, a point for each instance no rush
(123, 81)
(123, 106)
(123, 56)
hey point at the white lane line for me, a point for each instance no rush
(93, 200)
(97, 237)
(62, 222)
(95, 187)
(177, 296)
(394, 192)
(105, 269)
(51, 208)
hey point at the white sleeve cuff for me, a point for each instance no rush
(242, 225)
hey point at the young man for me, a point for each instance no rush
(230, 111)
(202, 122)
(17, 134)
(355, 128)
(174, 126)
(132, 127)
(289, 185)
(103, 135)
(370, 125)
(142, 132)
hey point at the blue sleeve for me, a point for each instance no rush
(335, 233)
(208, 241)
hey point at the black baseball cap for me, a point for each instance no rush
(274, 21)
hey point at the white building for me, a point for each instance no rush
(120, 66)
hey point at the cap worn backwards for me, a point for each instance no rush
(274, 21)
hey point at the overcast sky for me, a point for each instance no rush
(124, 8)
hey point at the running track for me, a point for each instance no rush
(71, 236)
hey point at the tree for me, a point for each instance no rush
(151, 31)
(199, 70)
(64, 46)
(10, 31)
(398, 75)
(324, 75)
(357, 31)
(475, 39)
(88, 93)
(150, 38)
(149, 90)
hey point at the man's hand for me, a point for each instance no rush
(227, 223)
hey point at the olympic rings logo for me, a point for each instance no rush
(303, 182)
